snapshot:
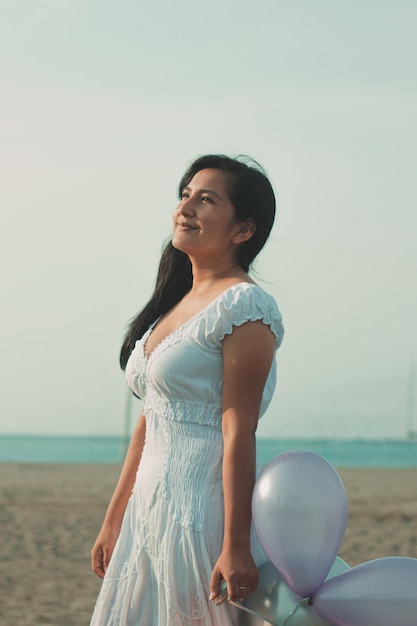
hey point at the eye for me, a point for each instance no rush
(205, 199)
(185, 194)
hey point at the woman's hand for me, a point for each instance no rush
(103, 549)
(237, 567)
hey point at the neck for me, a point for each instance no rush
(205, 276)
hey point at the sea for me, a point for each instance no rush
(98, 450)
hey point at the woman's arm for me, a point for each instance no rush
(247, 354)
(106, 540)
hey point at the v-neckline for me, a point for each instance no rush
(181, 327)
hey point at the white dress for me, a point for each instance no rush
(172, 530)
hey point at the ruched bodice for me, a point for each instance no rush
(173, 528)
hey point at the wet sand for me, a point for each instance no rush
(50, 515)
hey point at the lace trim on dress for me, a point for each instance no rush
(165, 343)
(136, 370)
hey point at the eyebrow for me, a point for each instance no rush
(214, 193)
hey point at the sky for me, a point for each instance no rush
(102, 107)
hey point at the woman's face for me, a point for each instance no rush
(204, 220)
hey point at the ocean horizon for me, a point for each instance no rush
(72, 449)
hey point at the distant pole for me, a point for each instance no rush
(126, 429)
(411, 400)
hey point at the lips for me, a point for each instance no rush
(185, 226)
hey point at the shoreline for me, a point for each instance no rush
(50, 515)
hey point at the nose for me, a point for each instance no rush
(186, 207)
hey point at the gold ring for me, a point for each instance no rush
(245, 588)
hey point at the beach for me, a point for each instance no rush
(50, 516)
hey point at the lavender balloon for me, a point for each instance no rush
(382, 592)
(299, 509)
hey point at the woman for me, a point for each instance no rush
(201, 355)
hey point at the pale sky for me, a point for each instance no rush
(103, 105)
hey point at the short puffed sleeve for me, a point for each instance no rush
(241, 303)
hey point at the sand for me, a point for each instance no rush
(50, 515)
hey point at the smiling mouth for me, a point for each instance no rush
(184, 226)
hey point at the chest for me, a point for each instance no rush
(175, 319)
(182, 367)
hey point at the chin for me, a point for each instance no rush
(180, 245)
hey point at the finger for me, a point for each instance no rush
(98, 569)
(215, 583)
(222, 595)
(254, 587)
(234, 592)
(106, 560)
(97, 564)
(241, 590)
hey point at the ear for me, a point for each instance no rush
(244, 231)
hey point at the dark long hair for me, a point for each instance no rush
(253, 198)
